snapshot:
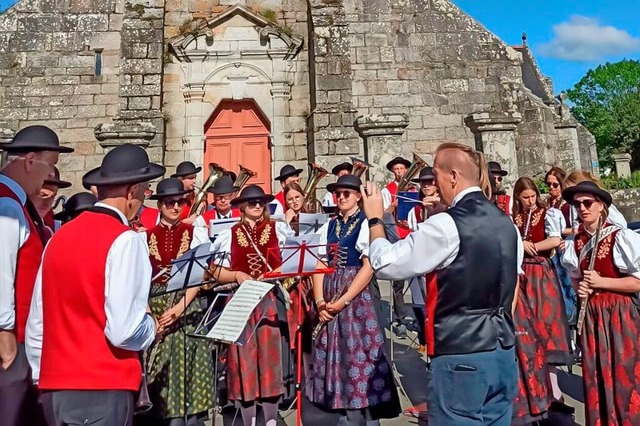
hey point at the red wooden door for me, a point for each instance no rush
(237, 133)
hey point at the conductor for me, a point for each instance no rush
(472, 254)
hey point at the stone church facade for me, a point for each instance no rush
(278, 81)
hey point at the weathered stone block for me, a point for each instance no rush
(91, 111)
(93, 22)
(141, 66)
(141, 102)
(39, 113)
(29, 42)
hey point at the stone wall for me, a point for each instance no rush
(47, 73)
(628, 202)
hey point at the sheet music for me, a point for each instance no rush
(198, 257)
(232, 322)
(291, 254)
(219, 225)
(310, 223)
(277, 217)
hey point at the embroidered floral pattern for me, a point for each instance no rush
(604, 247)
(352, 225)
(242, 238)
(264, 237)
(185, 241)
(153, 248)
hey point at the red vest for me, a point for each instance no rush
(210, 215)
(504, 203)
(280, 197)
(149, 217)
(604, 263)
(75, 351)
(403, 231)
(419, 212)
(167, 244)
(536, 231)
(187, 207)
(27, 265)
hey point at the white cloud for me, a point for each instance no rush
(584, 39)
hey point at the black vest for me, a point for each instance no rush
(475, 293)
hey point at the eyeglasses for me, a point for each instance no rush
(256, 203)
(171, 203)
(428, 182)
(498, 178)
(553, 185)
(345, 194)
(220, 197)
(586, 203)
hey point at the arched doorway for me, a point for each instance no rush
(238, 133)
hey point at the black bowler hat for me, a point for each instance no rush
(425, 174)
(186, 168)
(347, 182)
(55, 180)
(496, 168)
(232, 175)
(75, 205)
(124, 164)
(252, 192)
(398, 160)
(342, 166)
(35, 138)
(168, 188)
(587, 187)
(288, 171)
(224, 185)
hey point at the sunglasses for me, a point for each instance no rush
(345, 194)
(428, 182)
(171, 203)
(586, 203)
(553, 185)
(498, 178)
(256, 203)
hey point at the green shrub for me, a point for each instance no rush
(614, 182)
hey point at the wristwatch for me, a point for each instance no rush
(375, 221)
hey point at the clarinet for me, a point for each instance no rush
(592, 262)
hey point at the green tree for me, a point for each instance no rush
(607, 102)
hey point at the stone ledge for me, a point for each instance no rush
(493, 122)
(6, 135)
(381, 124)
(114, 134)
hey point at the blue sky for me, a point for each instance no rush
(568, 37)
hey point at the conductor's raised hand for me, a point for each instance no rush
(372, 200)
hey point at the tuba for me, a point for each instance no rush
(316, 173)
(200, 202)
(413, 170)
(243, 176)
(359, 167)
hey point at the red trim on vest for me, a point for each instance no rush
(75, 351)
(149, 217)
(430, 311)
(27, 265)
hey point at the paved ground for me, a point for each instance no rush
(410, 375)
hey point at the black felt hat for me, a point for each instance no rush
(224, 185)
(496, 168)
(288, 171)
(75, 205)
(232, 175)
(347, 182)
(35, 138)
(587, 187)
(398, 160)
(124, 164)
(425, 174)
(186, 168)
(55, 179)
(168, 188)
(252, 192)
(342, 166)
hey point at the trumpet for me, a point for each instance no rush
(243, 176)
(316, 173)
(359, 167)
(200, 202)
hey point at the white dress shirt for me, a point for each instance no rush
(126, 290)
(386, 197)
(199, 221)
(626, 254)
(15, 231)
(437, 241)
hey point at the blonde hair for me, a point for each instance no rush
(478, 159)
(265, 213)
(578, 176)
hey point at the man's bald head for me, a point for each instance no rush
(458, 167)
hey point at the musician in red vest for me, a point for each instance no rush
(500, 196)
(398, 166)
(288, 174)
(341, 169)
(31, 156)
(91, 307)
(187, 172)
(223, 192)
(45, 199)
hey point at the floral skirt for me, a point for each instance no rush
(611, 360)
(350, 370)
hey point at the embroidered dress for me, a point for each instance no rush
(611, 356)
(350, 370)
(166, 375)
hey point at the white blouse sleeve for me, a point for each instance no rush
(616, 218)
(554, 223)
(412, 221)
(200, 236)
(386, 198)
(199, 222)
(327, 201)
(626, 252)
(322, 251)
(283, 230)
(362, 243)
(570, 260)
(222, 249)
